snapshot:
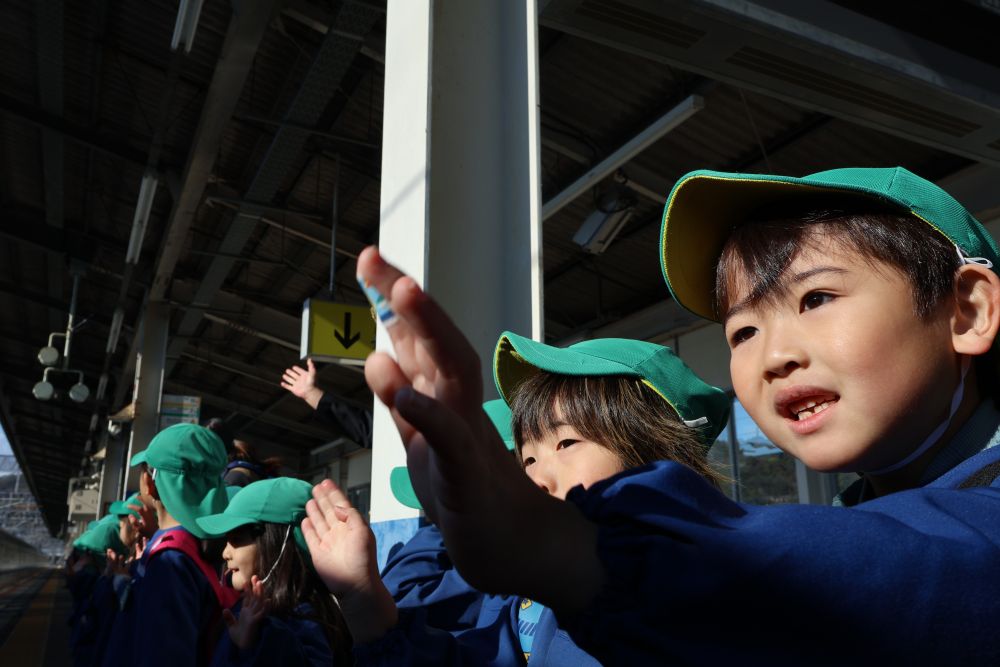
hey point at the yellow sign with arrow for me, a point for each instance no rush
(336, 330)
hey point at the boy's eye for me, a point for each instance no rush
(528, 461)
(815, 300)
(742, 334)
(568, 442)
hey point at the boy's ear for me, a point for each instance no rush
(976, 319)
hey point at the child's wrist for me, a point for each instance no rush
(369, 611)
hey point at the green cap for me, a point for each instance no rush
(705, 206)
(120, 508)
(699, 405)
(100, 536)
(231, 492)
(278, 500)
(399, 478)
(188, 460)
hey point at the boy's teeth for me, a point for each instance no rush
(809, 408)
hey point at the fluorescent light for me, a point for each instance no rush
(116, 329)
(93, 423)
(147, 190)
(102, 386)
(186, 24)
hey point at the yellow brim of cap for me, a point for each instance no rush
(700, 213)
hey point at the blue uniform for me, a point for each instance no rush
(93, 627)
(282, 641)
(444, 621)
(695, 578)
(170, 614)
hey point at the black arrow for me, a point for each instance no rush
(347, 340)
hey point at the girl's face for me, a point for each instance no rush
(562, 459)
(240, 555)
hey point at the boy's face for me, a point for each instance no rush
(839, 371)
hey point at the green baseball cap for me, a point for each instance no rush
(278, 500)
(188, 460)
(699, 405)
(399, 478)
(120, 508)
(704, 206)
(100, 536)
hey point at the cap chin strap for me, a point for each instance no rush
(280, 554)
(956, 400)
(965, 259)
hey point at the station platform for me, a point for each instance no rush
(34, 607)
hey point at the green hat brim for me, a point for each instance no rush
(402, 488)
(189, 496)
(138, 458)
(518, 358)
(704, 207)
(215, 525)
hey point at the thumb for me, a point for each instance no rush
(228, 618)
(310, 365)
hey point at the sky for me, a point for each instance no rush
(5, 449)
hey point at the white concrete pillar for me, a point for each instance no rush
(460, 207)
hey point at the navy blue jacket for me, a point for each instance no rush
(170, 614)
(281, 641)
(695, 578)
(444, 621)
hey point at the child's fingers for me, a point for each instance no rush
(386, 378)
(310, 366)
(443, 430)
(327, 495)
(309, 534)
(315, 514)
(334, 493)
(449, 349)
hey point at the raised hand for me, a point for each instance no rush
(147, 524)
(243, 631)
(302, 383)
(117, 564)
(342, 547)
(466, 481)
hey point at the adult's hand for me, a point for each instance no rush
(302, 383)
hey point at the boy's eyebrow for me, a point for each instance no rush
(783, 283)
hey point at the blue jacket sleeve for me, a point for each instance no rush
(421, 575)
(692, 577)
(413, 642)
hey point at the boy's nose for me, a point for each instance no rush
(782, 355)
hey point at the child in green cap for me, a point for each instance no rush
(580, 415)
(860, 332)
(97, 610)
(173, 584)
(286, 616)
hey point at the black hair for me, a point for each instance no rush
(759, 250)
(620, 413)
(293, 582)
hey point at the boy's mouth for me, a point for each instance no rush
(805, 409)
(801, 403)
